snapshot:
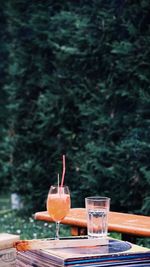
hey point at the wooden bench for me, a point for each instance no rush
(129, 225)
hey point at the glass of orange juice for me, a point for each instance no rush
(58, 204)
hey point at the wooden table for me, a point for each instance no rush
(129, 225)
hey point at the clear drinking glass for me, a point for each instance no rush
(97, 209)
(58, 204)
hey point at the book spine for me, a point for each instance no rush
(21, 264)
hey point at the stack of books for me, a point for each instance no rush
(115, 253)
(7, 252)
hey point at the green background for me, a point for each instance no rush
(75, 81)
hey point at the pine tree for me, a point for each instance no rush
(79, 85)
(5, 146)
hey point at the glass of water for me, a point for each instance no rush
(97, 209)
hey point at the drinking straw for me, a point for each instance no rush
(63, 173)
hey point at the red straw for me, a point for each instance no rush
(64, 169)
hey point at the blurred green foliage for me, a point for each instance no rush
(77, 83)
(28, 228)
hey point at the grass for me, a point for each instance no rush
(5, 202)
(28, 228)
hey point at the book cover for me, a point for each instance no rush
(8, 257)
(116, 253)
(7, 252)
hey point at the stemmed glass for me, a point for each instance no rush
(58, 204)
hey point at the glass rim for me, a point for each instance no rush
(56, 186)
(97, 198)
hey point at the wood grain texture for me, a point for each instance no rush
(132, 224)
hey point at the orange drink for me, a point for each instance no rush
(58, 205)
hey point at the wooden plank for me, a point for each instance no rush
(7, 240)
(131, 224)
(77, 231)
(24, 245)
